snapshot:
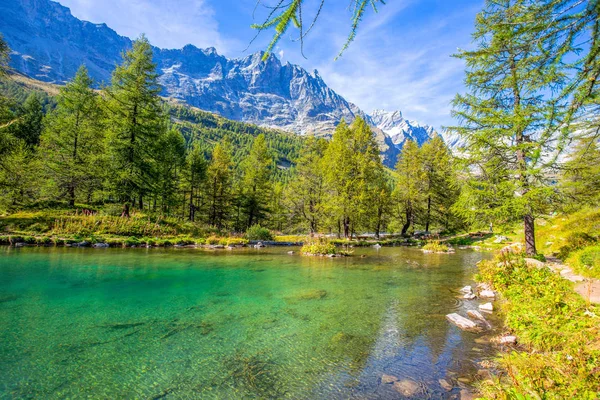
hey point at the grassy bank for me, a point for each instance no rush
(558, 355)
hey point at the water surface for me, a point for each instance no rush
(188, 323)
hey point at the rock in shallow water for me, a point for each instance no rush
(445, 385)
(463, 323)
(486, 307)
(406, 387)
(388, 379)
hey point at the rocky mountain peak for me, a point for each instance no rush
(50, 44)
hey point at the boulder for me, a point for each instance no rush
(487, 294)
(486, 307)
(406, 387)
(463, 323)
(469, 296)
(101, 245)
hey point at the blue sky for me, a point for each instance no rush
(399, 61)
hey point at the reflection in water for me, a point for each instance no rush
(114, 323)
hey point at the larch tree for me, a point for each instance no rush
(509, 114)
(169, 163)
(194, 180)
(72, 137)
(441, 189)
(135, 124)
(256, 181)
(306, 192)
(218, 184)
(409, 191)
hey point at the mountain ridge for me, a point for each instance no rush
(49, 44)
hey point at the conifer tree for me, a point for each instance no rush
(306, 192)
(169, 162)
(580, 180)
(256, 181)
(409, 192)
(28, 126)
(351, 159)
(195, 174)
(135, 123)
(509, 114)
(440, 183)
(218, 185)
(72, 138)
(4, 56)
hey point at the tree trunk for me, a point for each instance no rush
(346, 227)
(125, 212)
(529, 225)
(71, 195)
(141, 202)
(428, 213)
(408, 220)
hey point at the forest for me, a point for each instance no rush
(527, 148)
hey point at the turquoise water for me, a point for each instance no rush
(189, 323)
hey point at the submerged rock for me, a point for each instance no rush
(385, 379)
(445, 385)
(406, 387)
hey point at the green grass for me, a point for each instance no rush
(559, 354)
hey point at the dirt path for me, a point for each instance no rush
(588, 288)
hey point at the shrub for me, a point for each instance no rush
(321, 247)
(212, 240)
(586, 261)
(257, 232)
(576, 241)
(436, 247)
(233, 241)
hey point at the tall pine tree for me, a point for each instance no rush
(509, 113)
(135, 123)
(72, 138)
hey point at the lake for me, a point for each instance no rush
(249, 323)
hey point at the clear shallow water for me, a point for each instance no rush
(156, 323)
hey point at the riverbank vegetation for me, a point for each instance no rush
(559, 335)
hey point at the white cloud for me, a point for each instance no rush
(167, 24)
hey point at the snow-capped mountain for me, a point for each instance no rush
(50, 44)
(399, 129)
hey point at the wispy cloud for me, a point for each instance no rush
(396, 65)
(168, 24)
